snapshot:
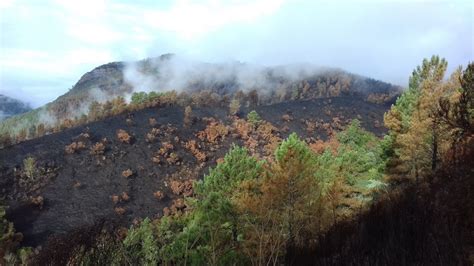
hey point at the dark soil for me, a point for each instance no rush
(77, 188)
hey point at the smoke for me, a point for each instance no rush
(175, 72)
(46, 118)
(49, 119)
(98, 95)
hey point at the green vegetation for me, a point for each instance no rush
(253, 118)
(250, 211)
(44, 120)
(358, 157)
(9, 241)
(430, 118)
(255, 211)
(29, 167)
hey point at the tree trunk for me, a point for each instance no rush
(434, 157)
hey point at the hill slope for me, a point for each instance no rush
(81, 188)
(168, 72)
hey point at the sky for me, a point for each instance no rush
(47, 45)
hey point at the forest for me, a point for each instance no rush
(413, 205)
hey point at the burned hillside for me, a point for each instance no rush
(140, 163)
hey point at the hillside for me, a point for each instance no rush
(171, 73)
(77, 189)
(295, 175)
(10, 107)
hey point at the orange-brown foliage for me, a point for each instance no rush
(97, 149)
(152, 135)
(38, 201)
(152, 121)
(193, 147)
(159, 195)
(127, 173)
(123, 136)
(115, 199)
(125, 196)
(119, 210)
(213, 132)
(75, 146)
(184, 188)
(242, 128)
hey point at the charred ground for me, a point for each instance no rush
(83, 185)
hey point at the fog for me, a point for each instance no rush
(46, 47)
(180, 73)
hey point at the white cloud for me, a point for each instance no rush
(40, 62)
(189, 20)
(45, 46)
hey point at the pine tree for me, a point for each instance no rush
(234, 106)
(210, 235)
(282, 210)
(414, 127)
(188, 112)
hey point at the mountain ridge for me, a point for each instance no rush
(169, 72)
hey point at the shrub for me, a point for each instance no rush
(125, 196)
(156, 159)
(98, 149)
(166, 148)
(237, 166)
(29, 168)
(127, 173)
(152, 122)
(286, 118)
(234, 107)
(192, 146)
(75, 146)
(213, 132)
(173, 158)
(188, 112)
(253, 118)
(141, 244)
(242, 128)
(123, 136)
(115, 199)
(159, 195)
(139, 98)
(9, 239)
(184, 188)
(120, 210)
(38, 201)
(152, 135)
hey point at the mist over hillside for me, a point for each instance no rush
(174, 73)
(10, 107)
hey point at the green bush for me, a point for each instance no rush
(236, 167)
(29, 167)
(139, 98)
(9, 241)
(360, 156)
(141, 244)
(253, 118)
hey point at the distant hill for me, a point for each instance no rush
(10, 107)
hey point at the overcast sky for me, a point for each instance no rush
(47, 45)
